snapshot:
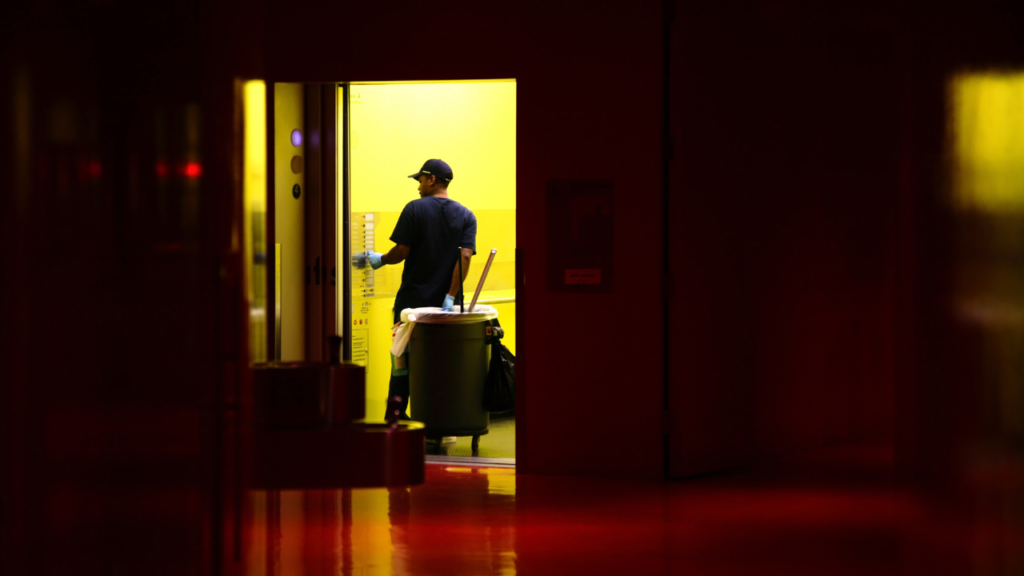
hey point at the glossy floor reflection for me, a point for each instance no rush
(833, 512)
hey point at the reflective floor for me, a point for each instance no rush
(499, 442)
(497, 448)
(832, 512)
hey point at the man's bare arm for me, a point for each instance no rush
(467, 254)
(397, 254)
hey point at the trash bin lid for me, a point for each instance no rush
(433, 315)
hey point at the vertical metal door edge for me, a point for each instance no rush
(667, 16)
(312, 151)
(329, 227)
(243, 356)
(522, 452)
(277, 302)
(270, 223)
(345, 260)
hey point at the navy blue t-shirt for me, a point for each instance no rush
(433, 228)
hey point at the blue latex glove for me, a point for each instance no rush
(449, 303)
(374, 258)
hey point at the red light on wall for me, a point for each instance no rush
(193, 170)
(161, 169)
(95, 169)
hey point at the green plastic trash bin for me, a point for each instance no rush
(449, 354)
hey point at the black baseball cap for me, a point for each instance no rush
(436, 168)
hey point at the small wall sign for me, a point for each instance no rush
(583, 276)
(580, 236)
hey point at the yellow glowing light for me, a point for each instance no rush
(254, 193)
(254, 104)
(988, 141)
(988, 187)
(458, 470)
(501, 481)
(498, 471)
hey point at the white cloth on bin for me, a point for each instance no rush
(433, 315)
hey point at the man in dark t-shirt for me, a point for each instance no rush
(427, 237)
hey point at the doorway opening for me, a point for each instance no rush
(336, 182)
(391, 129)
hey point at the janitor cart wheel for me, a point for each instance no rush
(476, 444)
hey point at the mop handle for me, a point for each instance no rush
(483, 277)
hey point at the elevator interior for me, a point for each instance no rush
(340, 156)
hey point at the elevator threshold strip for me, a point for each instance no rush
(471, 461)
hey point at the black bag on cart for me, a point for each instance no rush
(500, 387)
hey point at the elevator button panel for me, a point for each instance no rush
(364, 283)
(363, 241)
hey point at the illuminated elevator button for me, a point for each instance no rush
(296, 137)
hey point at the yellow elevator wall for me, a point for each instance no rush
(394, 129)
(289, 228)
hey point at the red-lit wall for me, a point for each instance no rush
(782, 205)
(806, 183)
(588, 84)
(120, 300)
(784, 191)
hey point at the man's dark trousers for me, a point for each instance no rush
(399, 385)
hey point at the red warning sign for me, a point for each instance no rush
(583, 276)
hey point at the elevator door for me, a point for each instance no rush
(301, 244)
